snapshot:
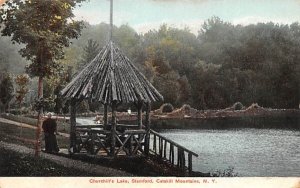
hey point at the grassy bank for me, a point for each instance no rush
(62, 125)
(18, 164)
(25, 136)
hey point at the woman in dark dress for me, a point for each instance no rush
(50, 128)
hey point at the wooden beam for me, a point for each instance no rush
(113, 128)
(140, 114)
(111, 19)
(105, 118)
(172, 142)
(147, 124)
(190, 162)
(72, 148)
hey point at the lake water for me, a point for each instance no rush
(251, 152)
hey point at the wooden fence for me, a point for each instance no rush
(171, 151)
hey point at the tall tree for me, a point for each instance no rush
(22, 82)
(45, 28)
(89, 52)
(6, 90)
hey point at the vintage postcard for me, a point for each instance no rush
(152, 93)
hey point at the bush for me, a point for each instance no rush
(166, 108)
(238, 106)
(186, 107)
(83, 107)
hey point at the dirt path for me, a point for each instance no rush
(66, 162)
(24, 125)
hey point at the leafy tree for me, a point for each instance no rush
(45, 28)
(10, 59)
(22, 82)
(89, 52)
(6, 90)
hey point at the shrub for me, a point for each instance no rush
(238, 106)
(166, 108)
(186, 107)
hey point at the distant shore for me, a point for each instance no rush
(252, 117)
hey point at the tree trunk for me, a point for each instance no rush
(40, 119)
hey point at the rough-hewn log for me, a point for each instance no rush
(105, 118)
(147, 124)
(139, 114)
(154, 143)
(113, 128)
(190, 162)
(165, 149)
(72, 148)
(111, 76)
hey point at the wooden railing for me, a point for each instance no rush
(171, 151)
(94, 139)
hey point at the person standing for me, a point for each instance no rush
(50, 129)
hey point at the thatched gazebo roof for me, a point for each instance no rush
(111, 77)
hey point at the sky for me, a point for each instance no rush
(144, 15)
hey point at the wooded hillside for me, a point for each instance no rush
(221, 65)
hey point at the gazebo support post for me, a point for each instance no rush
(147, 124)
(113, 128)
(72, 148)
(105, 119)
(140, 114)
(140, 117)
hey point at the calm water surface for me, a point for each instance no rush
(252, 152)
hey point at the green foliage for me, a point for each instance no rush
(17, 164)
(83, 107)
(89, 52)
(6, 90)
(52, 87)
(10, 59)
(22, 82)
(258, 63)
(166, 108)
(238, 106)
(44, 27)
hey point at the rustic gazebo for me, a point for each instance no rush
(112, 79)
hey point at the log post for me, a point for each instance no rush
(140, 117)
(140, 114)
(190, 157)
(165, 149)
(72, 148)
(105, 119)
(111, 20)
(147, 124)
(113, 128)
